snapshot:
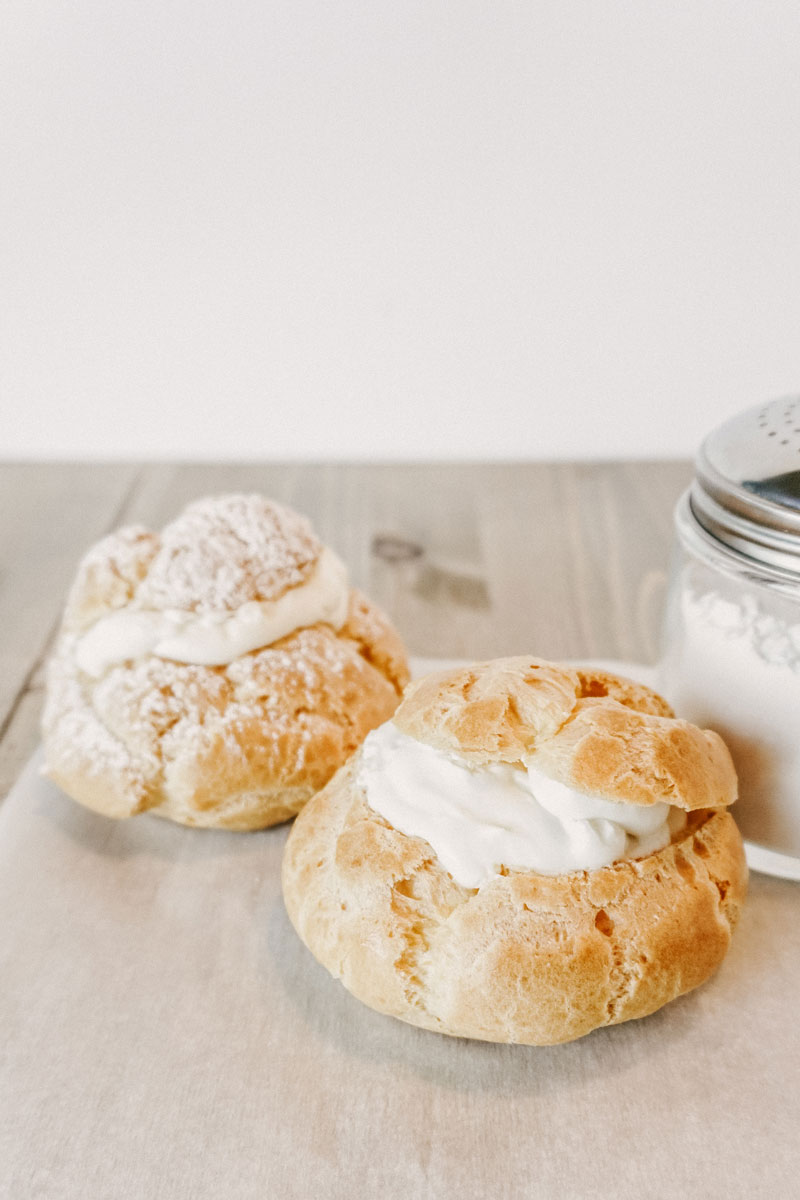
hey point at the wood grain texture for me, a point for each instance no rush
(470, 560)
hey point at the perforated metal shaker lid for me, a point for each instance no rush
(746, 493)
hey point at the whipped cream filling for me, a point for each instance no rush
(479, 819)
(216, 638)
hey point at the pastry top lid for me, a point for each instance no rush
(221, 552)
(591, 730)
(746, 493)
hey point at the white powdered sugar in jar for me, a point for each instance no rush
(733, 665)
(731, 657)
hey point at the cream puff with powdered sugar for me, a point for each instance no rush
(525, 852)
(217, 673)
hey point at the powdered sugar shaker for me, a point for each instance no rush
(731, 658)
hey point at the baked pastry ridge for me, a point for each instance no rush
(524, 957)
(243, 737)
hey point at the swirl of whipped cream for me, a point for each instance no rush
(216, 638)
(481, 818)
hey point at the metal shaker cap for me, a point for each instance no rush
(746, 493)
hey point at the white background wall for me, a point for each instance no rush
(476, 228)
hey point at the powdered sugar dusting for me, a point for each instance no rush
(109, 574)
(145, 700)
(224, 551)
(189, 739)
(285, 716)
(79, 746)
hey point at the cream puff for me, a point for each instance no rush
(217, 673)
(526, 852)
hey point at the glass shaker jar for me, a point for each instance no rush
(731, 656)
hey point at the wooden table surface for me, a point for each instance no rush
(470, 560)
